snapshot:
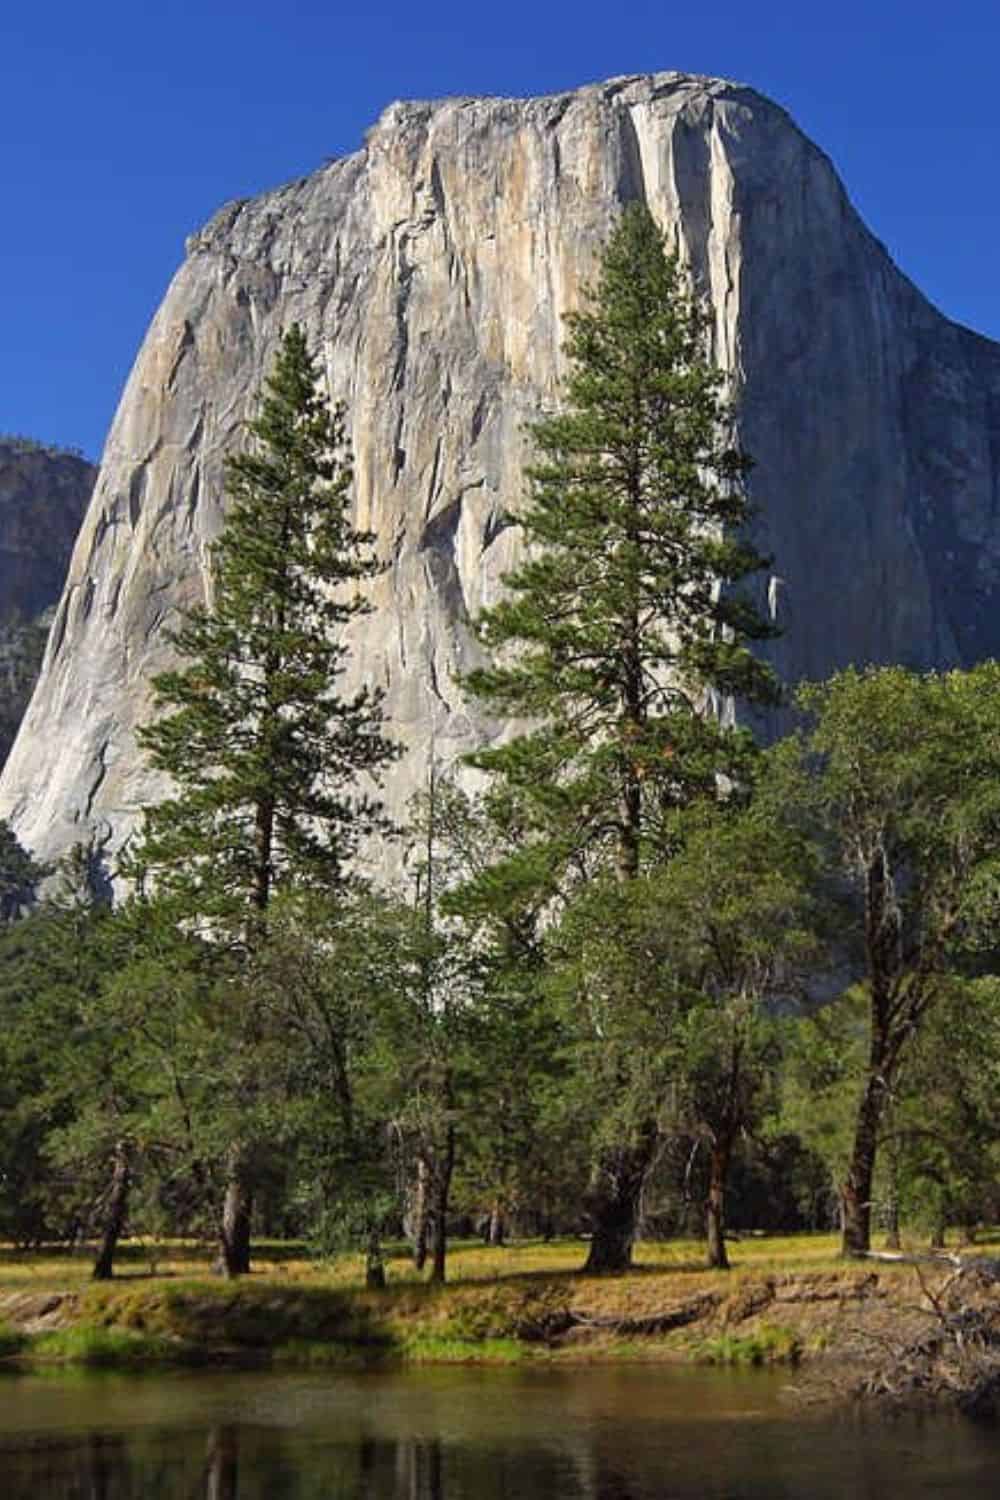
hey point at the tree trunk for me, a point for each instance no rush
(420, 1215)
(234, 1231)
(884, 958)
(628, 838)
(374, 1263)
(114, 1213)
(495, 1228)
(892, 1236)
(263, 848)
(443, 1167)
(938, 1235)
(892, 1228)
(856, 1193)
(715, 1211)
(613, 1200)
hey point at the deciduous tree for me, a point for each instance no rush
(899, 775)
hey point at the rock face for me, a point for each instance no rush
(431, 270)
(43, 496)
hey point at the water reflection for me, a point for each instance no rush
(222, 1473)
(418, 1470)
(584, 1435)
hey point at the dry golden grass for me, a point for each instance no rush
(676, 1266)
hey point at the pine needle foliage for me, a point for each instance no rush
(627, 617)
(264, 747)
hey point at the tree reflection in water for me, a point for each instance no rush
(418, 1469)
(571, 1437)
(222, 1470)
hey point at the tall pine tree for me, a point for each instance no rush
(276, 768)
(626, 624)
(264, 748)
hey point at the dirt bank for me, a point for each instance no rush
(848, 1324)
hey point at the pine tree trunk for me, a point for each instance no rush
(114, 1213)
(715, 1212)
(263, 844)
(613, 1201)
(237, 1208)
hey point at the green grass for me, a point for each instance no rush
(442, 1349)
(532, 1311)
(104, 1348)
(770, 1344)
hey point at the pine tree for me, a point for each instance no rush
(20, 876)
(264, 748)
(624, 616)
(626, 625)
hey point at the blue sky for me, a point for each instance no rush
(123, 126)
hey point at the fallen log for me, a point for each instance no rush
(913, 1257)
(652, 1323)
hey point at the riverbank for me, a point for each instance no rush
(785, 1301)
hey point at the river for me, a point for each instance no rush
(588, 1433)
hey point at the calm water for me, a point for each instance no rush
(459, 1434)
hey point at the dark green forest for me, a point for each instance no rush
(644, 976)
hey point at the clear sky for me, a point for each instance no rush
(123, 126)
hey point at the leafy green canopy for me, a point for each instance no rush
(264, 747)
(899, 777)
(626, 618)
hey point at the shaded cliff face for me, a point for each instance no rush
(431, 271)
(44, 493)
(43, 497)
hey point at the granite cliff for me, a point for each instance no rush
(431, 270)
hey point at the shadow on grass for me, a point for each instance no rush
(219, 1319)
(148, 1253)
